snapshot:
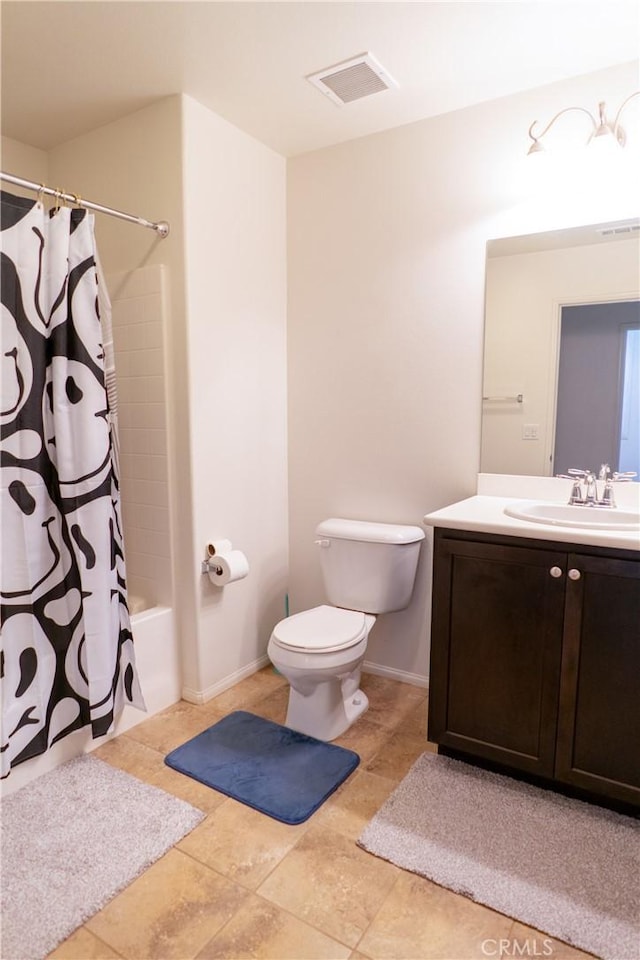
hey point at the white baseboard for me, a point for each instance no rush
(415, 679)
(202, 696)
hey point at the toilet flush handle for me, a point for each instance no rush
(323, 543)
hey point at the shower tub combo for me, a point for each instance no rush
(159, 670)
(138, 301)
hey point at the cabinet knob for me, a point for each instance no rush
(556, 572)
(574, 574)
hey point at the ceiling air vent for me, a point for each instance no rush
(616, 229)
(352, 79)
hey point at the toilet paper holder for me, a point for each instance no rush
(213, 548)
(224, 564)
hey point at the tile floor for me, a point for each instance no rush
(242, 885)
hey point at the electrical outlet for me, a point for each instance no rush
(530, 431)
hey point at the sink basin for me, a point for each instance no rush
(567, 515)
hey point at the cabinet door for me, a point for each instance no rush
(496, 650)
(599, 724)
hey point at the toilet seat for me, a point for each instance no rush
(322, 629)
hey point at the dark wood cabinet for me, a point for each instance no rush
(599, 707)
(535, 659)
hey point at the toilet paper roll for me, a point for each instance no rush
(214, 547)
(228, 567)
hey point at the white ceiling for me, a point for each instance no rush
(69, 67)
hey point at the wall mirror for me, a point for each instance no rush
(561, 384)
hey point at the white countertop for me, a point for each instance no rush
(484, 513)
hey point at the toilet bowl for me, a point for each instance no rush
(368, 569)
(320, 652)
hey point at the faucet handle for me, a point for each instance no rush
(576, 477)
(608, 497)
(591, 492)
(576, 490)
(624, 477)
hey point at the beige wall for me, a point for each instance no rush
(386, 259)
(23, 161)
(234, 196)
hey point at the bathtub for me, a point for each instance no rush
(157, 659)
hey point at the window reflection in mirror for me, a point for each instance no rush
(560, 367)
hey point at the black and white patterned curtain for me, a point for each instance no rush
(67, 657)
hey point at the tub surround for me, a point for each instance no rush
(139, 303)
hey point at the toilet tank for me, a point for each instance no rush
(368, 566)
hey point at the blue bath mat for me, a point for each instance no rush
(273, 769)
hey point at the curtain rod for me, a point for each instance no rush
(161, 228)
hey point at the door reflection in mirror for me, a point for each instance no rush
(597, 368)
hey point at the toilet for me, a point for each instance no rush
(368, 569)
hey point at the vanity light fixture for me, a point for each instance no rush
(601, 127)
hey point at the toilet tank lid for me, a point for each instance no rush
(368, 531)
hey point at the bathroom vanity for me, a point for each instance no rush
(535, 648)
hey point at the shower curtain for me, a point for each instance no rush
(67, 657)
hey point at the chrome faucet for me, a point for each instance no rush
(576, 497)
(608, 500)
(591, 488)
(589, 497)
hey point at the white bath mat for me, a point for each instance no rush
(73, 839)
(567, 868)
